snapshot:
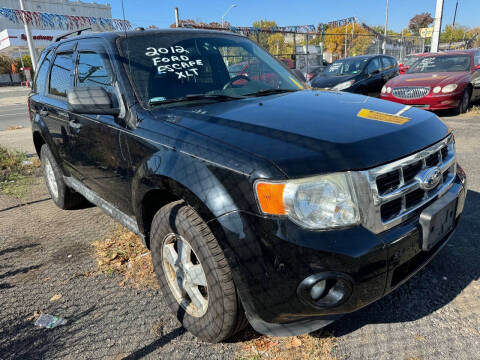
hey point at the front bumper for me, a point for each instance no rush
(429, 102)
(271, 257)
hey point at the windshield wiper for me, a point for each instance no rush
(195, 97)
(270, 92)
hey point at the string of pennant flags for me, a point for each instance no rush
(65, 22)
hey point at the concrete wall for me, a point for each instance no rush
(62, 7)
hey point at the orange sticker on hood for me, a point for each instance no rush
(381, 116)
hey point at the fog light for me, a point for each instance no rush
(325, 290)
(317, 290)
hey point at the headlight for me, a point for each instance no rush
(449, 88)
(320, 202)
(344, 85)
(384, 90)
(389, 89)
(437, 89)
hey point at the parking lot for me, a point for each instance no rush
(45, 251)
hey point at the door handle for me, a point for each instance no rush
(43, 112)
(74, 124)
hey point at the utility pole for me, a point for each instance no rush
(455, 16)
(346, 31)
(177, 21)
(28, 34)
(385, 31)
(437, 26)
(453, 24)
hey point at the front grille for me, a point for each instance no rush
(396, 190)
(413, 92)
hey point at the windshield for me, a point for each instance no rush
(410, 60)
(350, 66)
(177, 65)
(454, 63)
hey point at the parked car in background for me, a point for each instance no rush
(315, 70)
(288, 62)
(253, 70)
(449, 80)
(409, 61)
(364, 74)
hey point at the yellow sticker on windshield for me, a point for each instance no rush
(381, 116)
(297, 83)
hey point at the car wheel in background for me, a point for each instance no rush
(193, 274)
(62, 195)
(464, 103)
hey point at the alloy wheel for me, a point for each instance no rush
(185, 275)
(50, 176)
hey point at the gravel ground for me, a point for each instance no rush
(436, 315)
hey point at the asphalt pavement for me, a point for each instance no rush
(13, 107)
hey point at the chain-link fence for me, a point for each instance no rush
(306, 50)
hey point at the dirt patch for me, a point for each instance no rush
(317, 345)
(17, 172)
(122, 252)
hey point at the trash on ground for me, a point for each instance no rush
(49, 321)
(56, 297)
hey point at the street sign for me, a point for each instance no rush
(426, 32)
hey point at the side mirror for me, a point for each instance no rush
(299, 74)
(91, 100)
(374, 72)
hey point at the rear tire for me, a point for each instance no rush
(464, 103)
(205, 300)
(64, 197)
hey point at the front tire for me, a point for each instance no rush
(464, 103)
(64, 197)
(194, 276)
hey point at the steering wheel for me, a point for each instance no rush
(235, 78)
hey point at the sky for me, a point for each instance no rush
(290, 12)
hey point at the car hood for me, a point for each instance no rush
(428, 79)
(329, 81)
(313, 132)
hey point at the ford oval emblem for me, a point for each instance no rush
(429, 178)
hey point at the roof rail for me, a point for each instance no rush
(78, 32)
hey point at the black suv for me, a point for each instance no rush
(260, 200)
(364, 74)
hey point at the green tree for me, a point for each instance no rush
(356, 45)
(278, 46)
(262, 37)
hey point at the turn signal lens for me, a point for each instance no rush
(270, 198)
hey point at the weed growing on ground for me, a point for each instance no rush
(16, 172)
(122, 253)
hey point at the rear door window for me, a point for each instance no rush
(373, 66)
(60, 76)
(388, 63)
